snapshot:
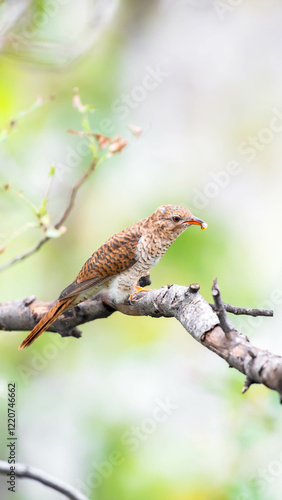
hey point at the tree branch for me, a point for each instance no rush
(74, 193)
(214, 331)
(26, 254)
(245, 310)
(220, 309)
(25, 471)
(22, 315)
(58, 224)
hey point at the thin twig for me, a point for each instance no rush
(247, 311)
(58, 224)
(74, 193)
(226, 325)
(25, 471)
(29, 252)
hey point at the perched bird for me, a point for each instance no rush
(121, 261)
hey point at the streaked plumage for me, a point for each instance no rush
(121, 261)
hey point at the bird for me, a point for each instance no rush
(120, 262)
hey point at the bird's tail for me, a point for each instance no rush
(46, 321)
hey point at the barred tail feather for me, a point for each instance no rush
(49, 318)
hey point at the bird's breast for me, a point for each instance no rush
(149, 251)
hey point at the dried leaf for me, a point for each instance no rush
(117, 144)
(135, 130)
(81, 133)
(76, 102)
(103, 141)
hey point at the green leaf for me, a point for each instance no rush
(42, 210)
(94, 150)
(85, 124)
(90, 108)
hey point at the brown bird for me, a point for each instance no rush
(121, 261)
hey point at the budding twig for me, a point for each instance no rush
(60, 222)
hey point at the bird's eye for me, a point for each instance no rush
(176, 218)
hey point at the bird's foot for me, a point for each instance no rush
(138, 289)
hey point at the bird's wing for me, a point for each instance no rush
(113, 257)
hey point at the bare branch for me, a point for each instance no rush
(194, 313)
(74, 193)
(22, 315)
(26, 471)
(245, 310)
(26, 254)
(184, 304)
(220, 310)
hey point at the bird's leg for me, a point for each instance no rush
(142, 282)
(138, 289)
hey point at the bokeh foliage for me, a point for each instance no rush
(76, 398)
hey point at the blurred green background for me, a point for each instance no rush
(203, 80)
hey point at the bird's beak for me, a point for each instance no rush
(196, 221)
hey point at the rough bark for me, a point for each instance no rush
(212, 329)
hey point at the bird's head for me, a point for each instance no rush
(172, 220)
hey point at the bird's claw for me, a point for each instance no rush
(138, 289)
